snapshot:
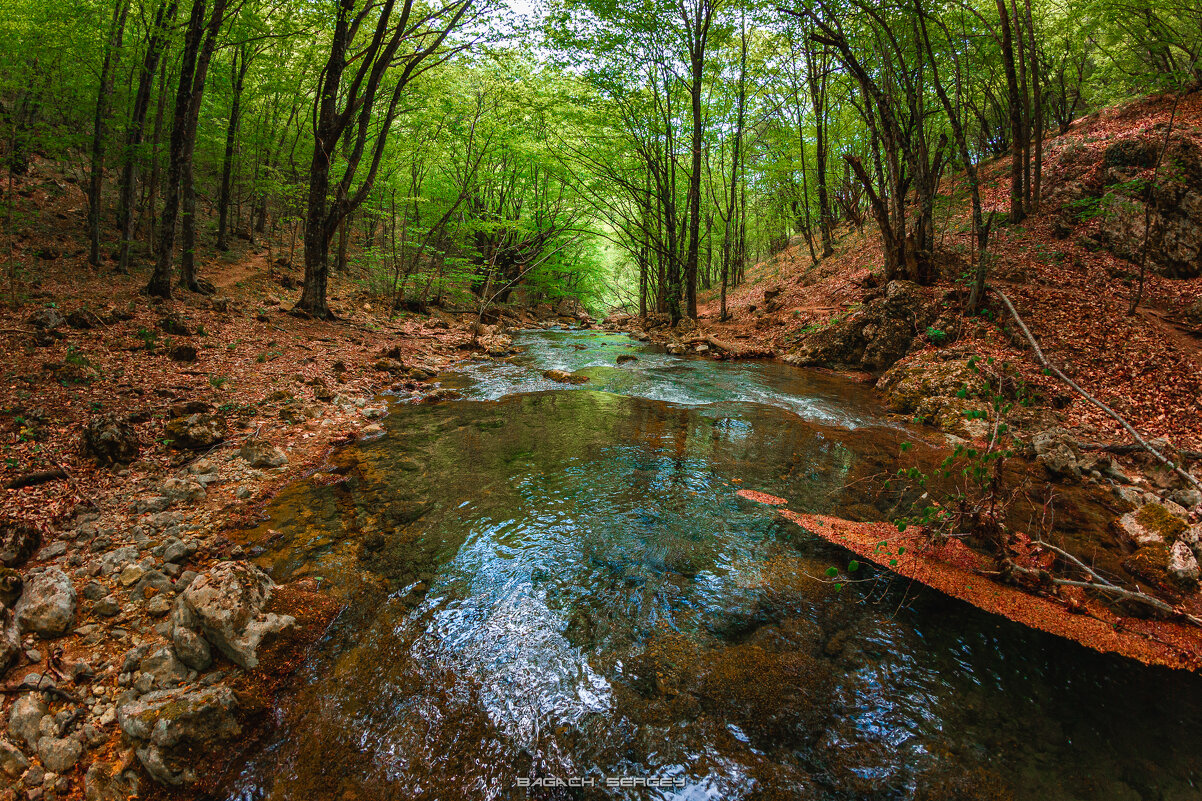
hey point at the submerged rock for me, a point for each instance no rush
(174, 729)
(227, 603)
(564, 377)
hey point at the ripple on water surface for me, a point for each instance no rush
(557, 582)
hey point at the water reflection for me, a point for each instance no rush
(564, 583)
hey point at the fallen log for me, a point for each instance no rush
(949, 566)
(37, 477)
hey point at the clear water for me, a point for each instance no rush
(552, 581)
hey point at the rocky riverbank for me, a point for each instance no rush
(138, 643)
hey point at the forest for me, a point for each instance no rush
(622, 153)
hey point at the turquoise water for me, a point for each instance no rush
(559, 584)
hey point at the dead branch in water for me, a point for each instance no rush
(1118, 417)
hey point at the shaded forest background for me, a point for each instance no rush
(621, 153)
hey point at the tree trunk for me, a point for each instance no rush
(164, 15)
(238, 73)
(1037, 91)
(112, 55)
(1017, 212)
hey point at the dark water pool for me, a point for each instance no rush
(558, 584)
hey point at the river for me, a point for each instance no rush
(559, 585)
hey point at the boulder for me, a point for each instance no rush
(25, 718)
(19, 541)
(110, 440)
(627, 357)
(872, 337)
(47, 319)
(195, 432)
(1151, 523)
(262, 454)
(496, 344)
(47, 605)
(102, 782)
(12, 762)
(1183, 565)
(10, 641)
(174, 729)
(227, 603)
(59, 754)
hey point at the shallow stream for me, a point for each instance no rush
(560, 584)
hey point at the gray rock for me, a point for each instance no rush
(1058, 453)
(59, 754)
(94, 591)
(10, 640)
(164, 668)
(182, 490)
(174, 729)
(176, 552)
(100, 783)
(1187, 498)
(47, 605)
(191, 648)
(12, 762)
(48, 318)
(116, 559)
(25, 716)
(108, 606)
(1183, 566)
(158, 606)
(228, 603)
(262, 454)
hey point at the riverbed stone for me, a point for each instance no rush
(47, 604)
(25, 717)
(183, 490)
(164, 668)
(102, 783)
(564, 377)
(174, 729)
(59, 754)
(12, 762)
(262, 454)
(191, 648)
(228, 603)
